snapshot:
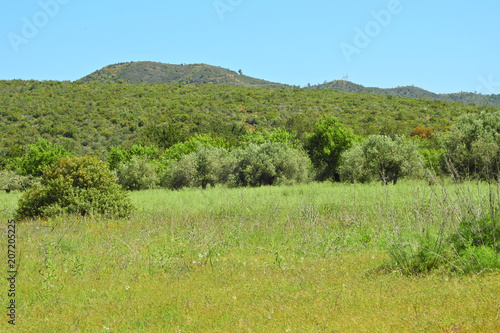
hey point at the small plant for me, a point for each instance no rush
(477, 243)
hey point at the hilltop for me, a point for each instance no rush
(155, 72)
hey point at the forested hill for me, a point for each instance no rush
(92, 117)
(411, 92)
(155, 72)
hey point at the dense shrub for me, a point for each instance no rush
(138, 174)
(197, 169)
(353, 165)
(75, 185)
(119, 155)
(473, 146)
(177, 151)
(267, 164)
(39, 155)
(384, 157)
(326, 144)
(277, 135)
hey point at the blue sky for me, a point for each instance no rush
(443, 46)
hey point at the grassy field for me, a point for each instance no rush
(308, 258)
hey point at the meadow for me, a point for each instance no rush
(317, 257)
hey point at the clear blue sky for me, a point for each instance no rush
(443, 46)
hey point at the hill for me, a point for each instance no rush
(155, 72)
(89, 118)
(411, 92)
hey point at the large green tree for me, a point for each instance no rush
(383, 157)
(473, 146)
(326, 144)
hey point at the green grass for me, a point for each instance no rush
(308, 258)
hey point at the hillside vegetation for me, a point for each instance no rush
(89, 118)
(155, 72)
(411, 92)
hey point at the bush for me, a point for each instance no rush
(138, 174)
(382, 156)
(473, 146)
(119, 155)
(177, 151)
(10, 180)
(39, 156)
(198, 169)
(483, 231)
(353, 165)
(75, 185)
(267, 164)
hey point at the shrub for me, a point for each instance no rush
(483, 231)
(353, 165)
(10, 180)
(177, 151)
(267, 164)
(382, 156)
(119, 155)
(75, 185)
(138, 174)
(473, 146)
(39, 156)
(200, 168)
(277, 135)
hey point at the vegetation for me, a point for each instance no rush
(412, 92)
(235, 248)
(473, 146)
(155, 72)
(383, 157)
(326, 144)
(306, 258)
(75, 185)
(92, 118)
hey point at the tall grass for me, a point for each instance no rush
(298, 258)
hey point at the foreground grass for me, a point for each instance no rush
(278, 259)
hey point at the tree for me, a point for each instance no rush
(202, 167)
(473, 146)
(271, 163)
(75, 185)
(382, 156)
(326, 144)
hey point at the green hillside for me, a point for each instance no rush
(411, 92)
(92, 117)
(155, 72)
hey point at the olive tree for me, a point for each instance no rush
(384, 157)
(473, 146)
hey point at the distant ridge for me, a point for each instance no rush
(411, 92)
(155, 72)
